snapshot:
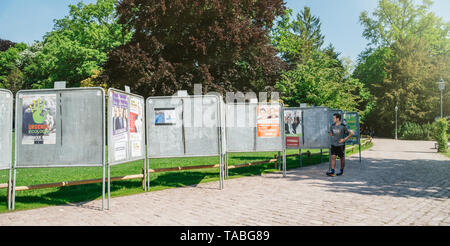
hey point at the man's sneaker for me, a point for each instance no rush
(331, 173)
(341, 173)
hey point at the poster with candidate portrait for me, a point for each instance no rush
(120, 111)
(293, 122)
(39, 119)
(136, 125)
(268, 121)
(293, 127)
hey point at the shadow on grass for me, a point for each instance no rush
(180, 179)
(250, 157)
(79, 195)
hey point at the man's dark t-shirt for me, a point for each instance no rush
(338, 132)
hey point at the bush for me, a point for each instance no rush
(440, 134)
(413, 131)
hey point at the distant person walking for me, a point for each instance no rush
(338, 131)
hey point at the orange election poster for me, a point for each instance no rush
(268, 120)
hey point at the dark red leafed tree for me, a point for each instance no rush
(5, 44)
(222, 44)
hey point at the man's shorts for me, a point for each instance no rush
(338, 150)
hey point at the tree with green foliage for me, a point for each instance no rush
(14, 81)
(320, 82)
(297, 39)
(409, 53)
(396, 20)
(78, 45)
(222, 45)
(316, 75)
(5, 44)
(9, 62)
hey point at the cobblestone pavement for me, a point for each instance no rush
(398, 183)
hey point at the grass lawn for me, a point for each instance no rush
(447, 153)
(158, 181)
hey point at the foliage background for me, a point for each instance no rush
(158, 47)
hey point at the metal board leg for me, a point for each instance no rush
(226, 164)
(103, 188)
(359, 152)
(145, 174)
(321, 156)
(220, 172)
(284, 162)
(14, 190)
(329, 158)
(300, 157)
(279, 160)
(9, 190)
(109, 186)
(148, 170)
(360, 162)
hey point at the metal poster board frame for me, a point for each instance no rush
(10, 100)
(306, 137)
(111, 140)
(356, 131)
(300, 138)
(69, 94)
(181, 117)
(255, 133)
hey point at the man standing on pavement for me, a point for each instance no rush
(338, 131)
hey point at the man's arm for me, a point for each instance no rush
(351, 133)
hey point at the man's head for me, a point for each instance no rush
(336, 118)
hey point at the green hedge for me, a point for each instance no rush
(440, 134)
(413, 131)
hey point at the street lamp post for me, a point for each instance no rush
(396, 109)
(441, 86)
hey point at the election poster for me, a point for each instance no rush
(165, 116)
(136, 149)
(268, 121)
(136, 125)
(351, 120)
(120, 115)
(136, 118)
(39, 119)
(293, 127)
(293, 122)
(120, 149)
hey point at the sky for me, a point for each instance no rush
(28, 20)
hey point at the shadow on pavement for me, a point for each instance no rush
(388, 177)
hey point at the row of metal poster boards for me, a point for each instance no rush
(66, 127)
(308, 128)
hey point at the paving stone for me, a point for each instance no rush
(397, 183)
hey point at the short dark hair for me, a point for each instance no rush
(338, 116)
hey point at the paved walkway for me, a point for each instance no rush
(400, 183)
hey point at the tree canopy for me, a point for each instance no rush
(315, 75)
(5, 44)
(409, 53)
(74, 50)
(297, 39)
(223, 45)
(158, 47)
